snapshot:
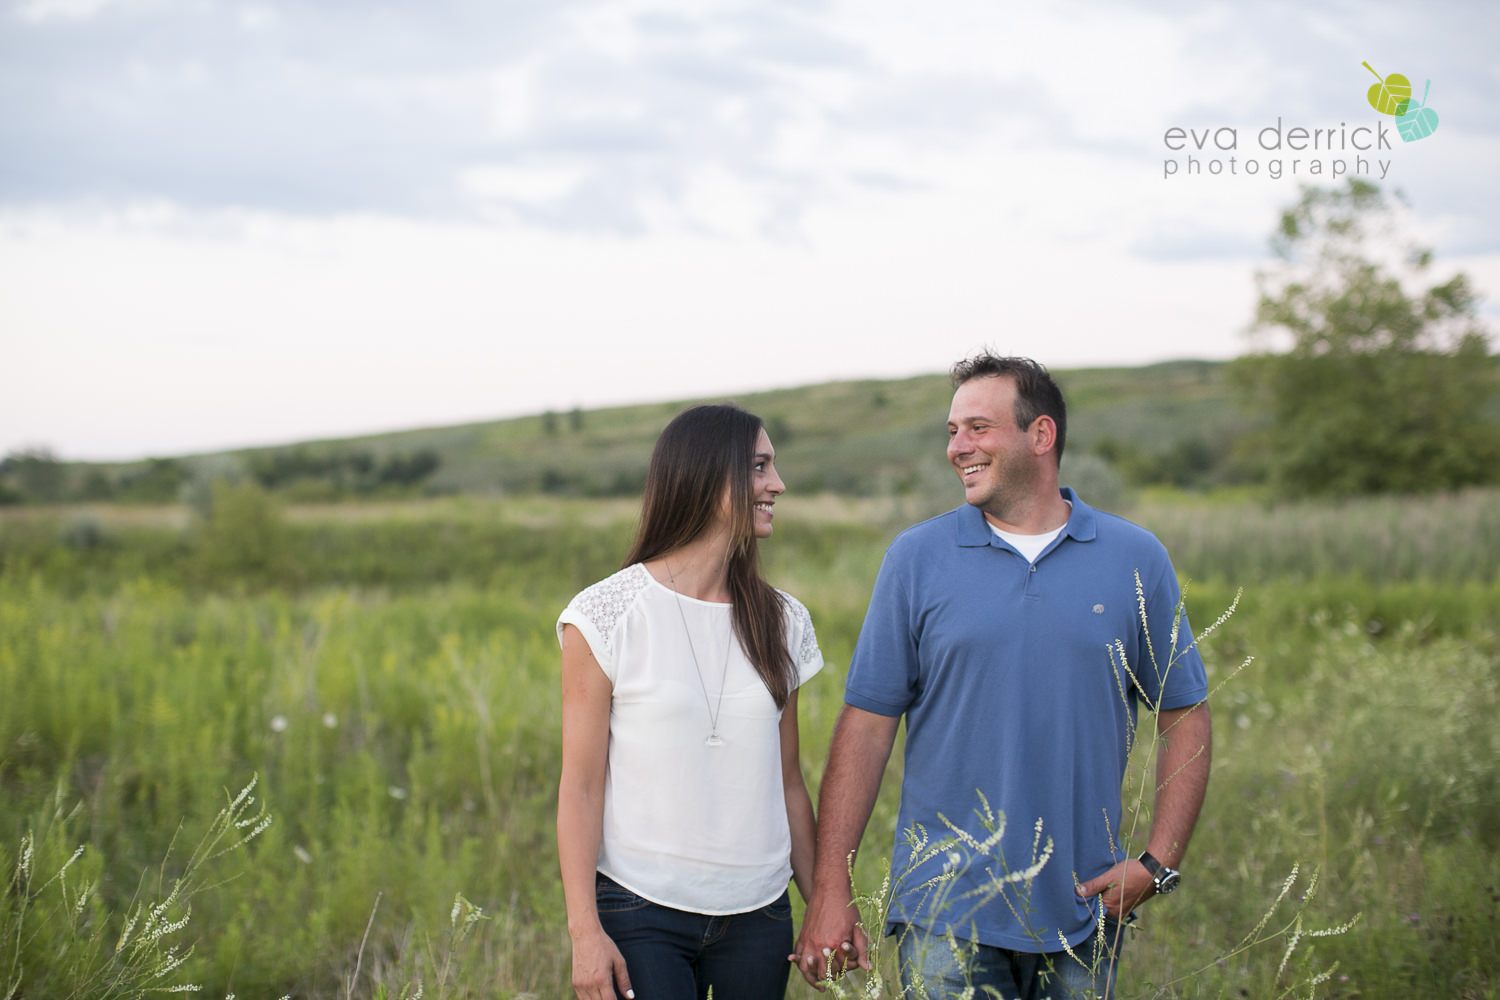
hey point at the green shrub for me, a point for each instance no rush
(243, 537)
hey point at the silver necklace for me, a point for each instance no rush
(714, 739)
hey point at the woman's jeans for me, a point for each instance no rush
(675, 955)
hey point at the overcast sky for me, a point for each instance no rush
(227, 224)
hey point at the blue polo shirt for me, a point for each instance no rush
(1011, 678)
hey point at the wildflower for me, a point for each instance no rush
(69, 863)
(396, 792)
(330, 721)
(302, 854)
(244, 797)
(278, 723)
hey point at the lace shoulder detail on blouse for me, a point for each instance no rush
(797, 612)
(606, 602)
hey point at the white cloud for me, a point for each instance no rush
(42, 10)
(240, 223)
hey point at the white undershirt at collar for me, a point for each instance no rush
(1030, 546)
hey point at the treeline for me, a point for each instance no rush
(1188, 463)
(345, 472)
(36, 475)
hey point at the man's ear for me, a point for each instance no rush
(1043, 434)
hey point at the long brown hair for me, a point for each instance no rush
(700, 451)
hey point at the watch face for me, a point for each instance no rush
(1167, 880)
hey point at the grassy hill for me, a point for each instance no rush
(1173, 421)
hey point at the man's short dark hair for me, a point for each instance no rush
(1036, 394)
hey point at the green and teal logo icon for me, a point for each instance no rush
(1392, 96)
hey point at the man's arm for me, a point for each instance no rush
(1183, 755)
(1182, 765)
(861, 746)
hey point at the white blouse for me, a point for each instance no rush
(688, 825)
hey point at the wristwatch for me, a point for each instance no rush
(1165, 879)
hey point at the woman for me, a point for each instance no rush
(682, 810)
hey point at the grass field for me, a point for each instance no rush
(390, 675)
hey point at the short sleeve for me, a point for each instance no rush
(884, 675)
(1177, 678)
(802, 639)
(596, 612)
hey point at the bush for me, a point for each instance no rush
(1095, 481)
(244, 537)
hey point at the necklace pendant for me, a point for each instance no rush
(713, 740)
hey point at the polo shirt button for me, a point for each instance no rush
(1033, 569)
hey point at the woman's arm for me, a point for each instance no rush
(799, 809)
(597, 963)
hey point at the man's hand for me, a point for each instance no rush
(1182, 766)
(1122, 888)
(831, 941)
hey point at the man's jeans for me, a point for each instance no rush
(1016, 975)
(675, 955)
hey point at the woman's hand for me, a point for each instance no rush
(599, 968)
(819, 962)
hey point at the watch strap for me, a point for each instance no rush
(1163, 878)
(1152, 865)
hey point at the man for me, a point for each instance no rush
(1009, 634)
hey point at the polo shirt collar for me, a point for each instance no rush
(974, 530)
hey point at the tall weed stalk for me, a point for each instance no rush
(60, 937)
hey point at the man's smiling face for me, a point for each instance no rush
(994, 458)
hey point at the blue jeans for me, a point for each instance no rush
(675, 955)
(1015, 975)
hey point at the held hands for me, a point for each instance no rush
(831, 941)
(599, 968)
(1122, 888)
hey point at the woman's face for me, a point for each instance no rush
(765, 487)
(765, 484)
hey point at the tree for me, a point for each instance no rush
(160, 481)
(1388, 378)
(37, 471)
